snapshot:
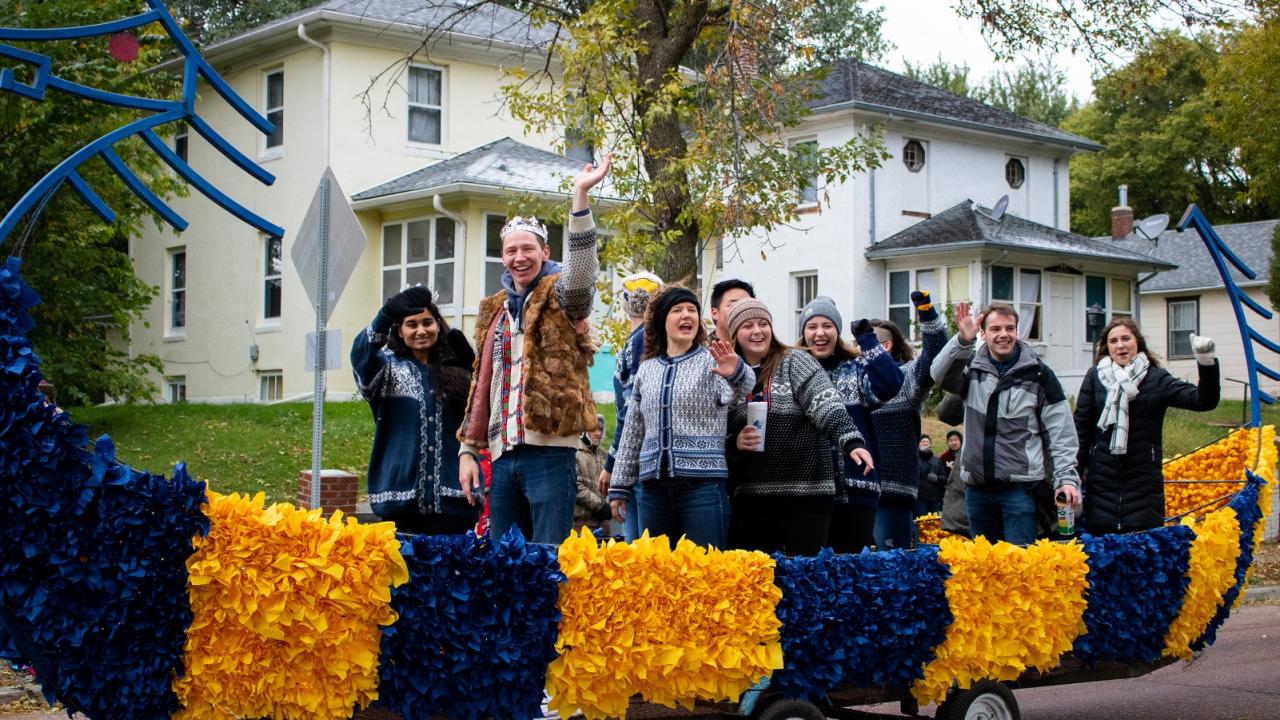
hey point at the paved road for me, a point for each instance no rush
(1238, 678)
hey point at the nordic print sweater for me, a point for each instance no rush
(805, 418)
(676, 420)
(864, 384)
(897, 422)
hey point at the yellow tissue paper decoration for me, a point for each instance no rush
(673, 625)
(1212, 571)
(287, 609)
(1224, 460)
(1012, 608)
(929, 529)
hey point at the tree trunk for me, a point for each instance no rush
(667, 35)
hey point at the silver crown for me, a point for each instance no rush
(528, 224)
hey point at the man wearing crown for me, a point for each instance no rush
(530, 397)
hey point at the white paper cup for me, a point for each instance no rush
(757, 415)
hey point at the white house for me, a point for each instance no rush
(1191, 298)
(232, 314)
(916, 222)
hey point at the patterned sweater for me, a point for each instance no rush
(413, 466)
(623, 375)
(805, 418)
(864, 384)
(898, 421)
(677, 418)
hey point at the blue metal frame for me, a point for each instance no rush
(162, 112)
(1221, 255)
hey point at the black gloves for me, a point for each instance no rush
(410, 301)
(861, 327)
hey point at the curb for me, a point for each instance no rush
(1258, 593)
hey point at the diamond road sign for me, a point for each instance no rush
(346, 243)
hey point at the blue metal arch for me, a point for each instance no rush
(161, 111)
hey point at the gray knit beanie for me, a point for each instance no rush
(821, 306)
(744, 310)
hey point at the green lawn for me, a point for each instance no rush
(244, 448)
(261, 448)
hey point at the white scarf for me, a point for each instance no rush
(1122, 386)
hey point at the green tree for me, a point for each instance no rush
(1036, 90)
(78, 265)
(1157, 122)
(952, 77)
(208, 21)
(1246, 88)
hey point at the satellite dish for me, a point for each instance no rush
(1151, 227)
(1001, 205)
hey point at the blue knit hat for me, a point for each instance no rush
(821, 306)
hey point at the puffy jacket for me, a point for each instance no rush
(1124, 493)
(1010, 420)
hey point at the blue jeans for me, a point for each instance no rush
(895, 526)
(697, 509)
(631, 518)
(534, 488)
(1006, 512)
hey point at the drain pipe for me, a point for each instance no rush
(1057, 225)
(460, 257)
(324, 89)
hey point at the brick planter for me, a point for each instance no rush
(338, 490)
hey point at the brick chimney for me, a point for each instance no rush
(1122, 216)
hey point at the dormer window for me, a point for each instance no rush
(913, 155)
(1015, 173)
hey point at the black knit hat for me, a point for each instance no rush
(670, 298)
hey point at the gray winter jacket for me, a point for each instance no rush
(1010, 420)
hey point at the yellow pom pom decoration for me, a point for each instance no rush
(1212, 572)
(288, 607)
(673, 625)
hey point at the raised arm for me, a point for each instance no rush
(367, 362)
(1204, 395)
(882, 376)
(576, 287)
(933, 337)
(947, 367)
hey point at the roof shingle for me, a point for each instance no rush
(1250, 241)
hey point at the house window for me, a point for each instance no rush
(419, 252)
(957, 284)
(806, 290)
(900, 299)
(272, 269)
(270, 385)
(1114, 296)
(178, 289)
(913, 155)
(806, 155)
(1184, 319)
(273, 107)
(176, 386)
(426, 104)
(493, 249)
(180, 141)
(1015, 173)
(1022, 290)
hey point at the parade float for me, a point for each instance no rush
(139, 596)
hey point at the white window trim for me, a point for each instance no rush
(172, 381)
(1109, 311)
(458, 259)
(1169, 329)
(796, 278)
(938, 296)
(444, 103)
(172, 333)
(265, 321)
(269, 375)
(265, 152)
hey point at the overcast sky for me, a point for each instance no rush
(921, 29)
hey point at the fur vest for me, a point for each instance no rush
(557, 391)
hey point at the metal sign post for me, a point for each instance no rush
(322, 314)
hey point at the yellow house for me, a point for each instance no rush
(348, 85)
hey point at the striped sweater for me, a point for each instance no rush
(864, 383)
(897, 422)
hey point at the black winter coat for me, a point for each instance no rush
(1125, 493)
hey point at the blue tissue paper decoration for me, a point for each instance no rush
(477, 627)
(93, 577)
(1136, 585)
(865, 620)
